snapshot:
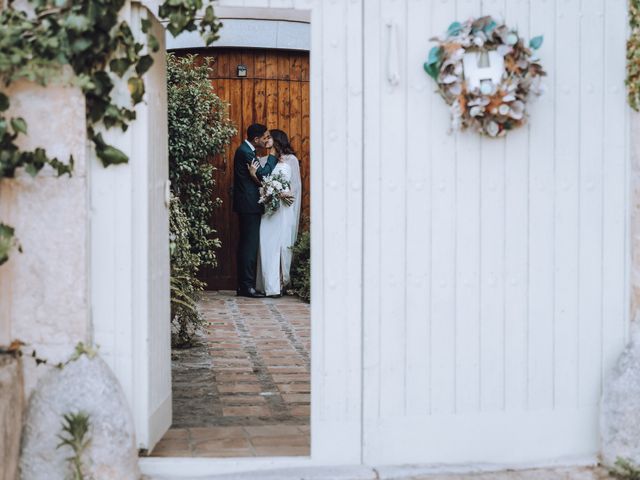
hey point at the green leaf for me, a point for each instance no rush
(19, 125)
(31, 169)
(77, 23)
(119, 66)
(435, 54)
(146, 25)
(153, 43)
(209, 17)
(4, 102)
(490, 27)
(111, 155)
(432, 70)
(80, 45)
(454, 29)
(536, 42)
(144, 64)
(136, 89)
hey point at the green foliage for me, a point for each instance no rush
(87, 37)
(625, 470)
(301, 267)
(185, 286)
(181, 15)
(75, 435)
(82, 349)
(199, 128)
(7, 242)
(633, 55)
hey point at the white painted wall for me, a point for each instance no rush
(44, 296)
(495, 271)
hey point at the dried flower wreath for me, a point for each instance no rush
(486, 74)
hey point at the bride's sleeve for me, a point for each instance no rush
(296, 189)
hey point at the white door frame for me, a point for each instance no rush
(336, 238)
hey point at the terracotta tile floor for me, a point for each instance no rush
(244, 389)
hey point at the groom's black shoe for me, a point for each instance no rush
(251, 293)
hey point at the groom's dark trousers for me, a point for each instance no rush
(245, 203)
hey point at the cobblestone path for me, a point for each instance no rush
(244, 389)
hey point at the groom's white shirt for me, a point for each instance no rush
(253, 149)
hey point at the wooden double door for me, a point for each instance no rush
(274, 92)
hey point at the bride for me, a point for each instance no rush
(279, 230)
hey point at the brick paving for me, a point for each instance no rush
(244, 389)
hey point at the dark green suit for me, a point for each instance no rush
(245, 203)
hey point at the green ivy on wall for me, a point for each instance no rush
(633, 55)
(88, 37)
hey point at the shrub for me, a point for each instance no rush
(624, 469)
(199, 128)
(301, 267)
(185, 287)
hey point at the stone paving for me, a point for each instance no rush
(244, 389)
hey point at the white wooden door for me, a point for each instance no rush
(130, 252)
(151, 167)
(495, 271)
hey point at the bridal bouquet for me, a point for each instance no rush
(270, 190)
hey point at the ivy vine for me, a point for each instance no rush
(88, 37)
(633, 55)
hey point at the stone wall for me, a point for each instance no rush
(44, 290)
(11, 411)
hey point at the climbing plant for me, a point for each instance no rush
(87, 38)
(633, 55)
(199, 129)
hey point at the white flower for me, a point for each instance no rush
(492, 129)
(476, 111)
(449, 79)
(517, 110)
(455, 88)
(504, 50)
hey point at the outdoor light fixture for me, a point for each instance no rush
(242, 70)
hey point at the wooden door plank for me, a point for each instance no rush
(295, 69)
(248, 99)
(271, 66)
(284, 66)
(295, 116)
(304, 69)
(247, 58)
(284, 107)
(222, 59)
(271, 119)
(260, 64)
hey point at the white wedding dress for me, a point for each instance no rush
(278, 232)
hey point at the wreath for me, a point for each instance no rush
(486, 74)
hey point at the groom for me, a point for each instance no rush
(245, 203)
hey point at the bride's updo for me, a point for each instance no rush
(281, 143)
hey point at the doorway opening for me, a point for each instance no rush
(242, 388)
